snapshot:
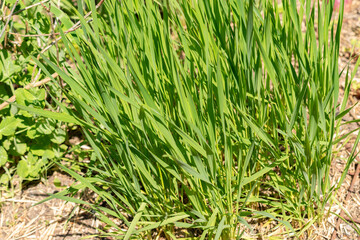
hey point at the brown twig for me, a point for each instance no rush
(73, 28)
(7, 21)
(30, 85)
(46, 80)
(351, 189)
(45, 7)
(26, 8)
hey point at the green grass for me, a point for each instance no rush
(204, 114)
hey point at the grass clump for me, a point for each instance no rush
(204, 114)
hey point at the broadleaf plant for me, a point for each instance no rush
(27, 140)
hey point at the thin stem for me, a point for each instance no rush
(8, 20)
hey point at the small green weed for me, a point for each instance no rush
(28, 141)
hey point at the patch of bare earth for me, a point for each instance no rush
(348, 195)
(54, 219)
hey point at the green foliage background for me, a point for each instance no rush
(28, 141)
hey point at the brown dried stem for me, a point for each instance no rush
(7, 22)
(26, 8)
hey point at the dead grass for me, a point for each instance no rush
(47, 221)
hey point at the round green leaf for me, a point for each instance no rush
(18, 149)
(58, 136)
(31, 133)
(3, 156)
(8, 126)
(23, 169)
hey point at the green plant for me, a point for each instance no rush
(28, 141)
(204, 114)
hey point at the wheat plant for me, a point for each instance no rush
(203, 115)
